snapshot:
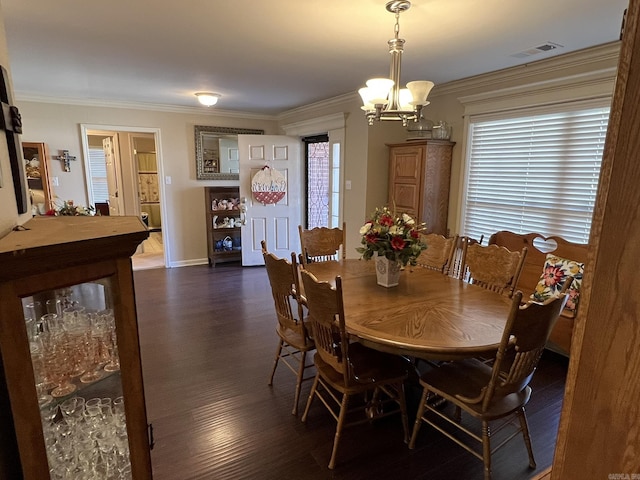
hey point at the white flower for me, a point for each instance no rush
(365, 228)
(396, 230)
(407, 219)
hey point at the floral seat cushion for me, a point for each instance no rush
(554, 274)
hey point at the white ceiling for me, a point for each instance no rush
(269, 56)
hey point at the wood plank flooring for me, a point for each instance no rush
(207, 342)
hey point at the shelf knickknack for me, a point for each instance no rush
(217, 151)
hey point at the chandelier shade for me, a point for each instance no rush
(382, 98)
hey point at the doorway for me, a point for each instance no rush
(124, 168)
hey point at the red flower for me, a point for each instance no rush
(371, 237)
(51, 212)
(397, 243)
(414, 234)
(386, 220)
(552, 276)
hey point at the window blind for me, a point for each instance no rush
(536, 173)
(98, 174)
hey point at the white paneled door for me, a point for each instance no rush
(111, 153)
(276, 223)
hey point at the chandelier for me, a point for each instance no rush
(383, 98)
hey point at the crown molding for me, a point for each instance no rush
(586, 86)
(316, 125)
(340, 100)
(607, 52)
(156, 107)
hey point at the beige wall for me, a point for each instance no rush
(58, 125)
(366, 156)
(8, 208)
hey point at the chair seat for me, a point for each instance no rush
(369, 367)
(295, 339)
(467, 378)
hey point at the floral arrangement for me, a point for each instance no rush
(394, 236)
(69, 209)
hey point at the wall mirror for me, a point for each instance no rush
(217, 152)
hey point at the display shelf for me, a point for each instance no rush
(223, 233)
(68, 310)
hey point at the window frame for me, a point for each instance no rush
(534, 111)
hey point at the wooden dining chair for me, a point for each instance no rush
(455, 269)
(294, 340)
(439, 254)
(346, 370)
(322, 244)
(491, 393)
(492, 267)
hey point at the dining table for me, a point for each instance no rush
(429, 315)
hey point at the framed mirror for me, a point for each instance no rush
(217, 152)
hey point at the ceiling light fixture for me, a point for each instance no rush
(383, 98)
(207, 98)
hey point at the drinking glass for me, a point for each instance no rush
(113, 365)
(54, 305)
(76, 323)
(72, 409)
(92, 359)
(58, 361)
(118, 409)
(36, 349)
(34, 310)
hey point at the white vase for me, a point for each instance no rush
(387, 271)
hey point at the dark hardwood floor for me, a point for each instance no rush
(207, 342)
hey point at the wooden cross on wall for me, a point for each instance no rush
(65, 158)
(11, 123)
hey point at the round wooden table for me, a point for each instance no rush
(429, 315)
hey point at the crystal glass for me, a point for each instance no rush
(37, 359)
(111, 342)
(59, 365)
(92, 351)
(71, 335)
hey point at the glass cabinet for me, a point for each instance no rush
(71, 363)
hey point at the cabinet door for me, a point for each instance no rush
(405, 179)
(73, 373)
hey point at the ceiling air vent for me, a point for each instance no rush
(545, 47)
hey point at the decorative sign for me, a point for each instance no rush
(268, 185)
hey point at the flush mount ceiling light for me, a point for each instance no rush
(383, 98)
(207, 98)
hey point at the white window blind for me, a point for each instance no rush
(536, 173)
(98, 167)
